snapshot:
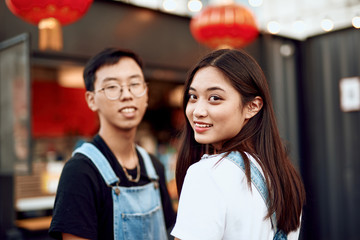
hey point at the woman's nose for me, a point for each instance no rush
(200, 110)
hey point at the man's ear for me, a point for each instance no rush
(253, 107)
(90, 99)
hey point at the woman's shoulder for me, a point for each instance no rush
(223, 168)
(217, 167)
(237, 159)
(223, 161)
(209, 164)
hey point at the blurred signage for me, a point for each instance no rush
(350, 94)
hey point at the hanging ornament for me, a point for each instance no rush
(49, 16)
(224, 26)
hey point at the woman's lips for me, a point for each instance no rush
(201, 127)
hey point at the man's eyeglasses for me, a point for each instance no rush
(113, 91)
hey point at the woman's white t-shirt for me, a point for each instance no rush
(217, 203)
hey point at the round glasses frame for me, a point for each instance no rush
(114, 91)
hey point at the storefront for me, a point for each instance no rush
(304, 78)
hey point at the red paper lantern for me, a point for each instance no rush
(230, 26)
(49, 15)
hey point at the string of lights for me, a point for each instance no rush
(290, 18)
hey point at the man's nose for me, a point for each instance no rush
(125, 93)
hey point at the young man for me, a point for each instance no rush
(111, 188)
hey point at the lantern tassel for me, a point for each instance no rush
(50, 34)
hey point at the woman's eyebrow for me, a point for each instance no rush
(209, 89)
(215, 88)
(192, 89)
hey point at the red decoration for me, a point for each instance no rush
(65, 11)
(222, 26)
(49, 15)
(59, 111)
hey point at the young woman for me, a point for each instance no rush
(230, 120)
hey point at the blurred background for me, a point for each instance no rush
(309, 51)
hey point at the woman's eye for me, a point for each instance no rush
(214, 98)
(192, 97)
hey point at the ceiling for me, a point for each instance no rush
(296, 19)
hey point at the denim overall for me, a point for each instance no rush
(137, 210)
(259, 182)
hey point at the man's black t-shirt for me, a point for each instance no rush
(83, 204)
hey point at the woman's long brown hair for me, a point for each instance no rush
(259, 137)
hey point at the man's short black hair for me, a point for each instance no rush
(108, 56)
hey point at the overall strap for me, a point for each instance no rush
(99, 160)
(150, 170)
(257, 179)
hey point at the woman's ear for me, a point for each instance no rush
(253, 107)
(90, 99)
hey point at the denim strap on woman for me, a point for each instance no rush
(137, 210)
(259, 182)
